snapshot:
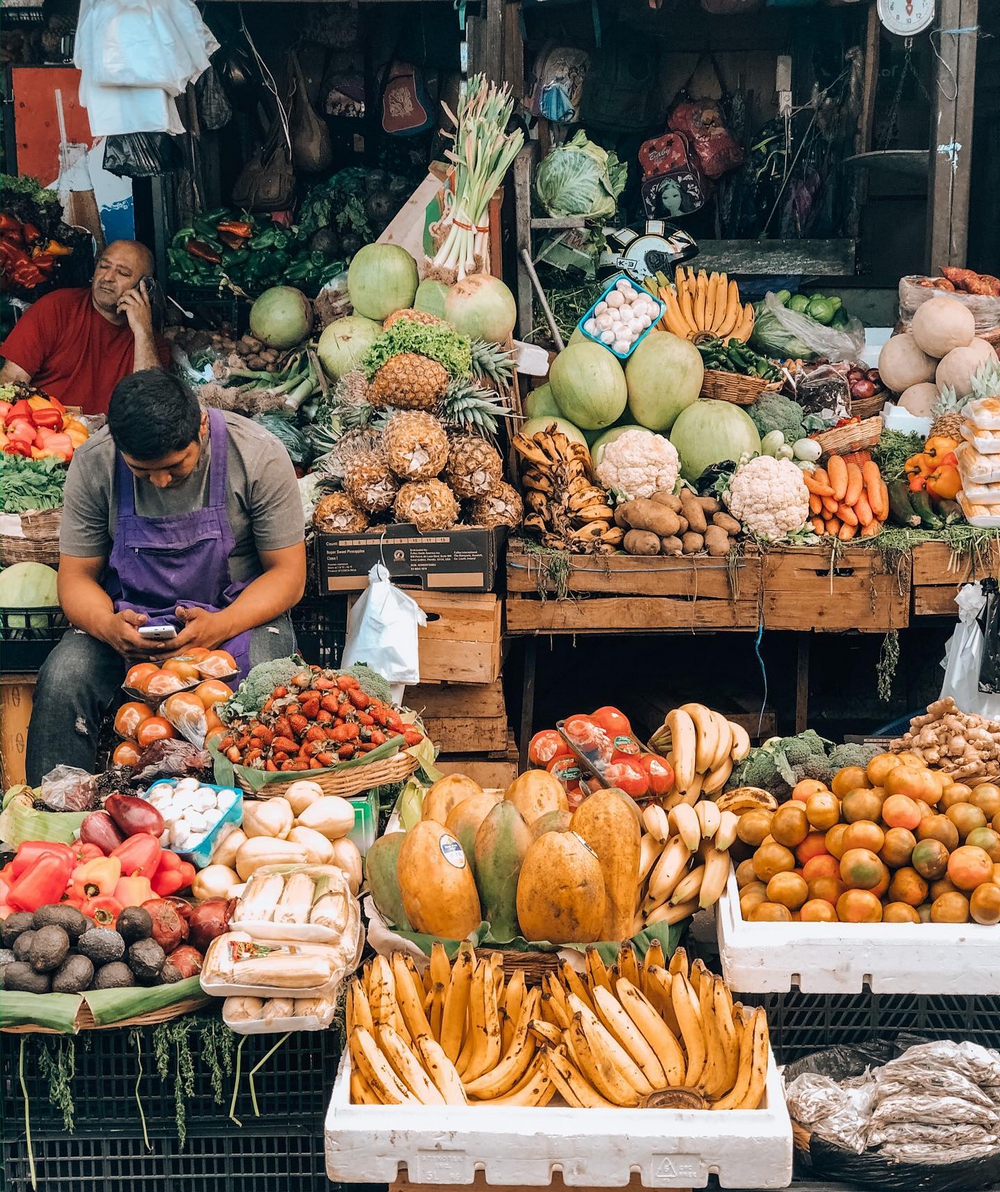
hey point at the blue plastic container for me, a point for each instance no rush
(603, 298)
(201, 856)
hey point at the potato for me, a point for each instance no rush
(692, 543)
(668, 499)
(683, 528)
(641, 542)
(716, 541)
(621, 516)
(709, 504)
(671, 546)
(643, 514)
(693, 512)
(727, 522)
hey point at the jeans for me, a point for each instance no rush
(80, 682)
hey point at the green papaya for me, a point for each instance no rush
(383, 882)
(502, 841)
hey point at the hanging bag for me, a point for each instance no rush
(621, 91)
(406, 106)
(703, 122)
(267, 182)
(312, 150)
(672, 181)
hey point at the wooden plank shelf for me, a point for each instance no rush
(805, 588)
(819, 258)
(938, 572)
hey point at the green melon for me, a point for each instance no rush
(540, 403)
(589, 385)
(383, 881)
(664, 376)
(502, 841)
(573, 433)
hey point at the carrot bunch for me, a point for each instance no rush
(847, 500)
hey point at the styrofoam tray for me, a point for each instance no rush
(961, 958)
(670, 1148)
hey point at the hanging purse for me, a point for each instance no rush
(267, 182)
(704, 123)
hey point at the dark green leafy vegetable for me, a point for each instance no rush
(27, 484)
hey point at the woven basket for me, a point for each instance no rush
(534, 965)
(734, 387)
(40, 543)
(85, 1020)
(858, 436)
(345, 782)
(868, 407)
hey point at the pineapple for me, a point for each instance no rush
(469, 408)
(415, 445)
(337, 514)
(411, 364)
(368, 480)
(412, 316)
(986, 381)
(492, 363)
(948, 417)
(502, 507)
(474, 467)
(410, 381)
(428, 504)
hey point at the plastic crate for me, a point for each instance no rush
(802, 1023)
(28, 636)
(321, 629)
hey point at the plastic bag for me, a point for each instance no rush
(140, 155)
(382, 632)
(824, 389)
(189, 720)
(913, 295)
(778, 331)
(963, 656)
(67, 788)
(172, 759)
(831, 1111)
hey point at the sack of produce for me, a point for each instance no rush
(780, 331)
(984, 302)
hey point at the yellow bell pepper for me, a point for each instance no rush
(919, 465)
(944, 482)
(937, 448)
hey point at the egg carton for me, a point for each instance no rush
(591, 314)
(200, 854)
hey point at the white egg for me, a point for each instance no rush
(191, 784)
(600, 308)
(211, 818)
(197, 825)
(615, 299)
(607, 337)
(645, 322)
(591, 326)
(621, 346)
(203, 800)
(225, 799)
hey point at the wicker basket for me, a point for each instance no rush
(85, 1020)
(40, 543)
(734, 387)
(345, 783)
(534, 965)
(857, 436)
(868, 407)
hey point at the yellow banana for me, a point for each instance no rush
(745, 326)
(475, 1037)
(409, 1001)
(733, 311)
(573, 983)
(361, 1093)
(707, 737)
(498, 1081)
(688, 887)
(726, 1029)
(597, 973)
(690, 796)
(377, 1071)
(668, 871)
(598, 1069)
(686, 308)
(718, 778)
(655, 820)
(571, 1083)
(713, 1079)
(513, 1000)
(537, 1090)
(721, 306)
(725, 837)
(688, 1012)
(742, 1084)
(654, 1030)
(679, 962)
(684, 820)
(440, 1069)
(758, 1065)
(362, 1012)
(456, 1004)
(668, 913)
(621, 1027)
(709, 817)
(699, 971)
(713, 882)
(654, 956)
(741, 741)
(649, 851)
(382, 992)
(485, 1057)
(658, 983)
(746, 798)
(672, 313)
(404, 1063)
(628, 963)
(440, 965)
(436, 1015)
(604, 1044)
(552, 1010)
(725, 747)
(545, 1032)
(683, 747)
(700, 299)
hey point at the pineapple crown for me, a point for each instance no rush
(986, 381)
(949, 402)
(490, 362)
(437, 341)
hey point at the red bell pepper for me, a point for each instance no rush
(99, 876)
(5, 409)
(173, 874)
(104, 910)
(18, 447)
(85, 852)
(139, 854)
(10, 227)
(49, 417)
(31, 233)
(133, 891)
(42, 884)
(21, 409)
(31, 850)
(7, 873)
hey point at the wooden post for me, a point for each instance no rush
(804, 645)
(951, 134)
(522, 233)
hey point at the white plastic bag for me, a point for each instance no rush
(382, 632)
(963, 655)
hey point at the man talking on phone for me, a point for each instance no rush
(173, 517)
(77, 344)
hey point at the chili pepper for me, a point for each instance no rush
(99, 876)
(198, 248)
(231, 241)
(31, 233)
(42, 884)
(133, 891)
(104, 910)
(139, 854)
(236, 228)
(31, 850)
(11, 227)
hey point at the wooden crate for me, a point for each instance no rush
(15, 712)
(938, 572)
(462, 717)
(492, 772)
(805, 589)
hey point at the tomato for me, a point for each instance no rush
(129, 717)
(163, 683)
(156, 728)
(139, 675)
(567, 770)
(126, 754)
(546, 746)
(659, 772)
(217, 664)
(187, 672)
(212, 692)
(614, 723)
(589, 738)
(628, 776)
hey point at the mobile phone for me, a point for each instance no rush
(157, 302)
(158, 633)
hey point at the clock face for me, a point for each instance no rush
(906, 17)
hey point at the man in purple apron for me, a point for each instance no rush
(172, 516)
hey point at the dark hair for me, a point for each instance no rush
(152, 414)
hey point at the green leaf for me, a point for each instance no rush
(56, 1011)
(111, 1005)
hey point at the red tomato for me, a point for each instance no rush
(614, 723)
(546, 746)
(659, 772)
(567, 769)
(628, 776)
(589, 738)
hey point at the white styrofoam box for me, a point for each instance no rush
(670, 1148)
(960, 958)
(875, 337)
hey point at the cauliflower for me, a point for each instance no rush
(773, 411)
(639, 463)
(769, 497)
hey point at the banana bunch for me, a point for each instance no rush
(565, 506)
(705, 304)
(702, 746)
(635, 1035)
(684, 860)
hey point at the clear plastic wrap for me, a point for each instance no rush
(975, 467)
(67, 788)
(172, 759)
(930, 1108)
(980, 1064)
(983, 413)
(778, 331)
(830, 1110)
(912, 295)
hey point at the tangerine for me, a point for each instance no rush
(827, 888)
(790, 825)
(986, 796)
(969, 867)
(984, 905)
(814, 845)
(745, 874)
(860, 869)
(835, 840)
(789, 889)
(986, 839)
(864, 834)
(862, 804)
(753, 826)
(770, 912)
(879, 767)
(944, 885)
(825, 865)
(823, 809)
(770, 859)
(918, 783)
(938, 827)
(966, 818)
(850, 778)
(898, 847)
(859, 906)
(900, 912)
(950, 908)
(908, 886)
(930, 859)
(806, 787)
(818, 910)
(900, 811)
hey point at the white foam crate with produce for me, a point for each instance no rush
(916, 958)
(670, 1148)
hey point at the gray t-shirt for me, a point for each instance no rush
(262, 501)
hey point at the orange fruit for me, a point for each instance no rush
(814, 845)
(126, 754)
(924, 912)
(950, 908)
(823, 809)
(789, 889)
(995, 822)
(128, 718)
(753, 826)
(770, 912)
(850, 778)
(883, 883)
(859, 906)
(987, 840)
(986, 796)
(770, 859)
(750, 897)
(911, 759)
(938, 827)
(966, 818)
(955, 793)
(862, 804)
(156, 728)
(944, 885)
(984, 905)
(898, 847)
(138, 675)
(827, 889)
(900, 912)
(930, 859)
(818, 910)
(908, 886)
(835, 840)
(879, 767)
(969, 867)
(917, 783)
(864, 834)
(900, 811)
(806, 787)
(860, 869)
(825, 865)
(789, 825)
(214, 736)
(745, 875)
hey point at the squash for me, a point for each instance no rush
(502, 841)
(560, 891)
(902, 363)
(447, 793)
(347, 858)
(958, 368)
(465, 817)
(535, 793)
(267, 817)
(435, 882)
(262, 850)
(941, 324)
(331, 815)
(609, 826)
(318, 848)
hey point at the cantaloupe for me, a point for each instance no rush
(436, 883)
(502, 842)
(961, 364)
(901, 363)
(465, 817)
(535, 792)
(609, 825)
(920, 400)
(381, 872)
(560, 893)
(447, 793)
(942, 324)
(551, 821)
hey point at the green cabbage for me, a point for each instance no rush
(581, 179)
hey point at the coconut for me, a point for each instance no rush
(920, 400)
(960, 365)
(942, 324)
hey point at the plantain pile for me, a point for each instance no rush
(566, 507)
(635, 1035)
(705, 304)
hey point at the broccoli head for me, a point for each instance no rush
(757, 769)
(774, 411)
(249, 697)
(372, 683)
(817, 766)
(852, 755)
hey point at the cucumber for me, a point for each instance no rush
(921, 505)
(951, 511)
(902, 511)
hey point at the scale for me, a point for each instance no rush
(905, 18)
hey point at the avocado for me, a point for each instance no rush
(169, 974)
(115, 975)
(48, 949)
(66, 917)
(102, 945)
(74, 975)
(134, 924)
(146, 958)
(23, 979)
(12, 927)
(22, 945)
(6, 957)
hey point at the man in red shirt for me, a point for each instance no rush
(77, 344)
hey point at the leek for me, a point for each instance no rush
(55, 1011)
(111, 1005)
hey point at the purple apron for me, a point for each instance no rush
(157, 563)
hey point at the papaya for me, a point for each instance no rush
(436, 883)
(551, 821)
(534, 793)
(381, 873)
(447, 793)
(560, 891)
(464, 820)
(502, 841)
(606, 821)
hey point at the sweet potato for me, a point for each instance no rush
(641, 542)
